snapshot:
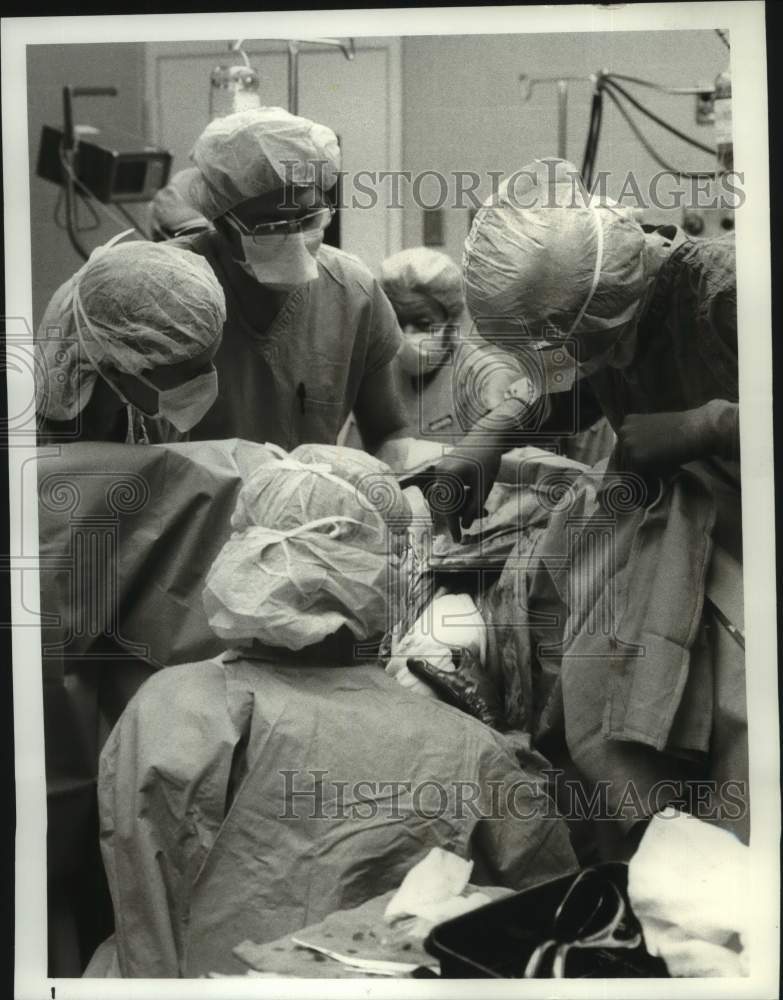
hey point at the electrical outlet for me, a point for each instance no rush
(705, 107)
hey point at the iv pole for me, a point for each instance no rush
(527, 83)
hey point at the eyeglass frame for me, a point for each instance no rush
(281, 227)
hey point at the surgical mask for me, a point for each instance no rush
(282, 260)
(616, 354)
(184, 405)
(421, 353)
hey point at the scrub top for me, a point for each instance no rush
(295, 381)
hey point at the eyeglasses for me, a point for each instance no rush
(592, 914)
(319, 219)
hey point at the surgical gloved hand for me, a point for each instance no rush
(457, 486)
(658, 443)
(462, 688)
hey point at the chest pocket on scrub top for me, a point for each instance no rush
(316, 419)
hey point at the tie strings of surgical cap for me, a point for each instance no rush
(599, 259)
(320, 469)
(312, 526)
(81, 319)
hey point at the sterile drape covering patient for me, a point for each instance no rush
(248, 796)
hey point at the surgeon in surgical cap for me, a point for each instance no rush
(648, 315)
(125, 349)
(309, 335)
(425, 289)
(171, 214)
(656, 696)
(203, 838)
(449, 376)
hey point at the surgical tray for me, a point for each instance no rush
(496, 940)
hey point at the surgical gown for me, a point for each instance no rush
(245, 799)
(613, 592)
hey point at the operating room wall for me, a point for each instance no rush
(49, 69)
(463, 110)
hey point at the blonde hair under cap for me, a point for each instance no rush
(310, 551)
(253, 152)
(419, 273)
(134, 306)
(542, 252)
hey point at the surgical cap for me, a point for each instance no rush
(253, 152)
(133, 306)
(542, 252)
(420, 274)
(310, 551)
(171, 210)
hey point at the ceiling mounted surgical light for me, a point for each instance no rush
(237, 87)
(234, 88)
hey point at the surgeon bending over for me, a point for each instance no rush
(309, 334)
(124, 351)
(208, 832)
(649, 315)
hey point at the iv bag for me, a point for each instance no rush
(233, 88)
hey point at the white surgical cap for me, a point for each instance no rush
(171, 209)
(542, 252)
(420, 274)
(253, 152)
(310, 551)
(133, 306)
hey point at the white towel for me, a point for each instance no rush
(687, 884)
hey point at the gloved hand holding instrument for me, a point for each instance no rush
(467, 687)
(457, 486)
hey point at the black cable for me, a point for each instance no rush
(89, 196)
(608, 80)
(679, 174)
(87, 203)
(593, 135)
(59, 220)
(722, 35)
(652, 85)
(69, 196)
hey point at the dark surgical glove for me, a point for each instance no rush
(463, 688)
(457, 486)
(659, 443)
